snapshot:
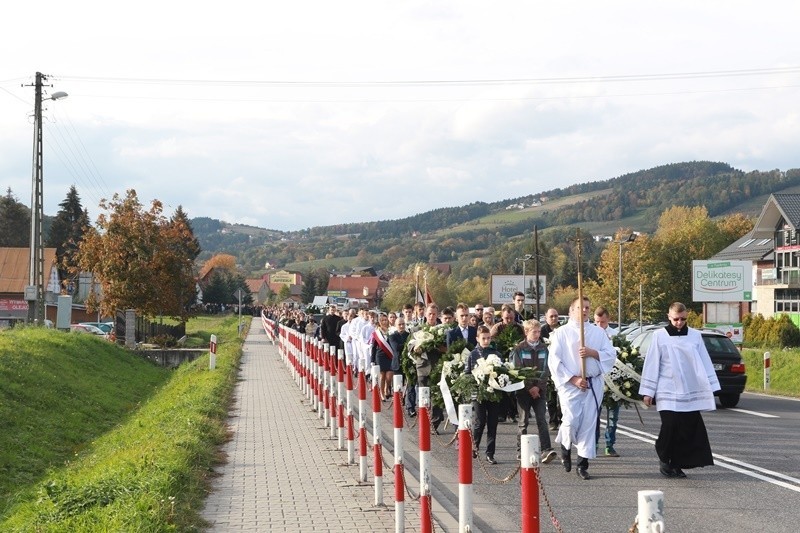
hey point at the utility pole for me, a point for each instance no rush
(35, 291)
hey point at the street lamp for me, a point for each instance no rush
(524, 259)
(34, 293)
(629, 238)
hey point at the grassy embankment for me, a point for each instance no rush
(784, 370)
(94, 438)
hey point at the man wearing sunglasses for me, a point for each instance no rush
(679, 378)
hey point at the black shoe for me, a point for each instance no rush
(679, 472)
(582, 473)
(474, 454)
(548, 455)
(490, 459)
(435, 429)
(566, 459)
(666, 470)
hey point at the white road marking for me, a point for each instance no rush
(725, 462)
(754, 413)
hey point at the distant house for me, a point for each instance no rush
(259, 289)
(369, 288)
(15, 276)
(773, 247)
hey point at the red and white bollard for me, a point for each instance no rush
(464, 467)
(424, 423)
(399, 493)
(766, 370)
(362, 427)
(650, 512)
(376, 433)
(333, 384)
(529, 461)
(212, 347)
(340, 398)
(351, 445)
(304, 357)
(326, 391)
(323, 384)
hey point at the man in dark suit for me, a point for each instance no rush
(328, 327)
(463, 330)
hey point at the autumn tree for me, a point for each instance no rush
(67, 230)
(15, 222)
(661, 264)
(221, 261)
(140, 259)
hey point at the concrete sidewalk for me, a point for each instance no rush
(283, 471)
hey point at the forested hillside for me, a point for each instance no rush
(484, 237)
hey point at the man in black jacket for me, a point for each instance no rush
(328, 327)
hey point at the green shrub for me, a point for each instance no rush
(777, 331)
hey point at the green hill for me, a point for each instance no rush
(484, 230)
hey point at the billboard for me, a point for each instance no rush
(504, 287)
(722, 281)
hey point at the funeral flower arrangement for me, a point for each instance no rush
(622, 382)
(488, 380)
(451, 366)
(426, 340)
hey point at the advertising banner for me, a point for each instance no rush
(504, 287)
(722, 281)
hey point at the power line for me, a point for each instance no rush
(457, 82)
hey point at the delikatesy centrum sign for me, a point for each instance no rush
(722, 281)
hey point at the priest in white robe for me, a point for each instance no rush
(581, 396)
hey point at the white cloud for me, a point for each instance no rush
(294, 155)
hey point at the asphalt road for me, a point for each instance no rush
(753, 486)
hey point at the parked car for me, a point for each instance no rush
(725, 357)
(105, 327)
(87, 328)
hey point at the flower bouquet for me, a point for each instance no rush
(450, 366)
(422, 345)
(489, 379)
(622, 382)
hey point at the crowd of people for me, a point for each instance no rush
(570, 360)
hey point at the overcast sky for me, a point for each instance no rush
(287, 115)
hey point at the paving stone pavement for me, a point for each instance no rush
(283, 471)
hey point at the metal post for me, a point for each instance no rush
(529, 462)
(376, 434)
(536, 263)
(340, 398)
(619, 290)
(362, 426)
(424, 423)
(399, 494)
(650, 515)
(464, 467)
(351, 445)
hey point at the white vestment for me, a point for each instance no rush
(580, 408)
(678, 373)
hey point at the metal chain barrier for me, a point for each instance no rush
(488, 475)
(553, 519)
(441, 441)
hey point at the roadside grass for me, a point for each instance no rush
(146, 469)
(784, 370)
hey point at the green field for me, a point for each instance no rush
(511, 216)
